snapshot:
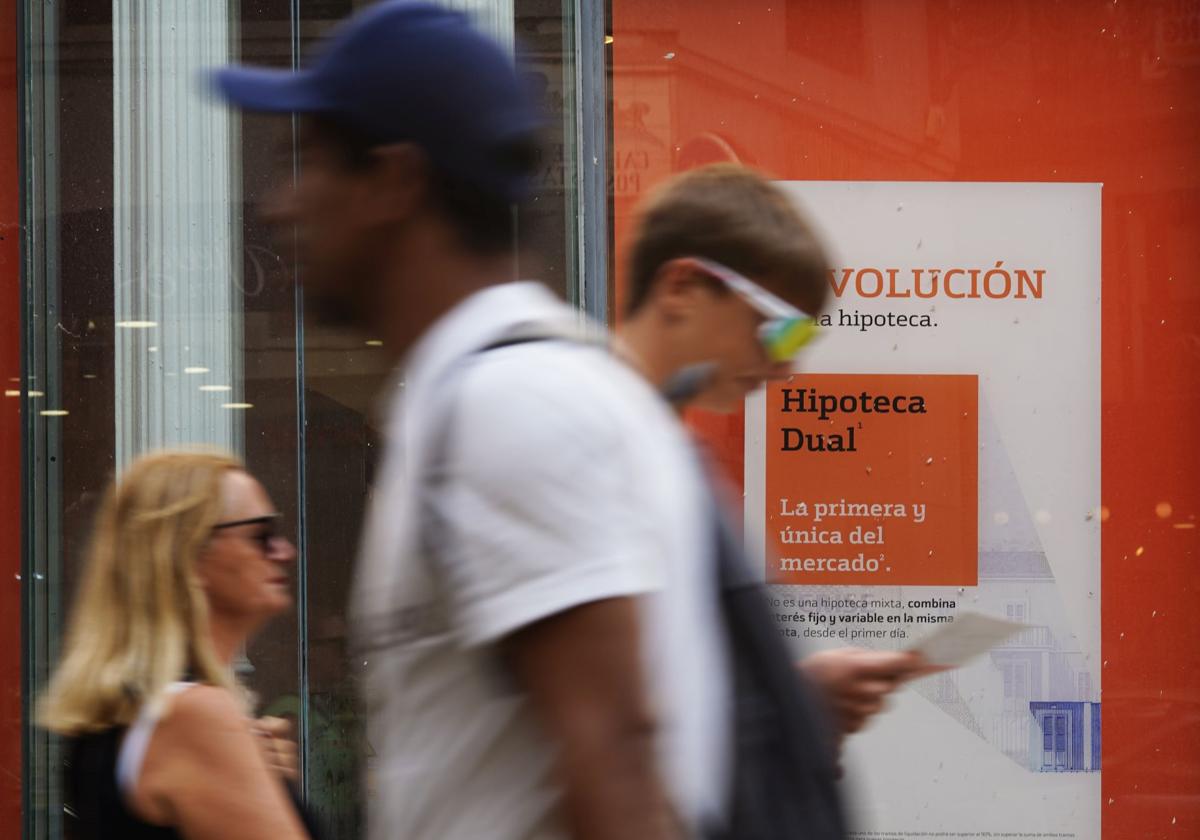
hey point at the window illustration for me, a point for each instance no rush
(1016, 611)
(1016, 679)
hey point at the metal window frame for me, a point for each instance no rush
(41, 447)
(592, 151)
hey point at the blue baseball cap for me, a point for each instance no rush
(410, 72)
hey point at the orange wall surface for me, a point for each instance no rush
(1024, 90)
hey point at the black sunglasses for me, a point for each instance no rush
(264, 537)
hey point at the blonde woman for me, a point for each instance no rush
(185, 564)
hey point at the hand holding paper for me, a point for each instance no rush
(857, 681)
(953, 645)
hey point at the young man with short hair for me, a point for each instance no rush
(724, 275)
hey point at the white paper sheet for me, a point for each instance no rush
(968, 636)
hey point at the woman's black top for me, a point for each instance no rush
(95, 807)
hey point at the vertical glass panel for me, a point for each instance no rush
(273, 662)
(547, 223)
(162, 308)
(342, 372)
(177, 282)
(154, 319)
(67, 370)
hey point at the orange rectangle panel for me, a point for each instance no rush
(872, 480)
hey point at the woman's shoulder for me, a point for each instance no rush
(205, 773)
(199, 701)
(194, 714)
(202, 729)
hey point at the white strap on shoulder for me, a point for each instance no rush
(137, 739)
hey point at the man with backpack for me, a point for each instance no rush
(723, 279)
(542, 659)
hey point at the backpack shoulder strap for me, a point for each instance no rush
(784, 771)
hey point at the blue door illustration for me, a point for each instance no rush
(1054, 741)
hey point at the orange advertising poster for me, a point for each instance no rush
(935, 463)
(872, 479)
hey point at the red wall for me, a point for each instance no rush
(1082, 91)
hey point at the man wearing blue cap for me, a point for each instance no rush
(543, 659)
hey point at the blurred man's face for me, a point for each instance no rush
(728, 328)
(336, 241)
(710, 323)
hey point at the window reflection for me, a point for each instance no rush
(176, 316)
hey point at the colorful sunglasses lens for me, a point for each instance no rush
(785, 337)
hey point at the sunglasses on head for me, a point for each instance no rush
(786, 329)
(265, 536)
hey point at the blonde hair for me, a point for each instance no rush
(140, 620)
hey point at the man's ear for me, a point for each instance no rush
(676, 289)
(400, 181)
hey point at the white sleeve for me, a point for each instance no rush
(536, 512)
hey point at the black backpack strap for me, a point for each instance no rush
(784, 767)
(513, 341)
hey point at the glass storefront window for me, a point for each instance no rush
(1005, 138)
(161, 309)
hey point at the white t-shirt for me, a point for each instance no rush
(565, 480)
